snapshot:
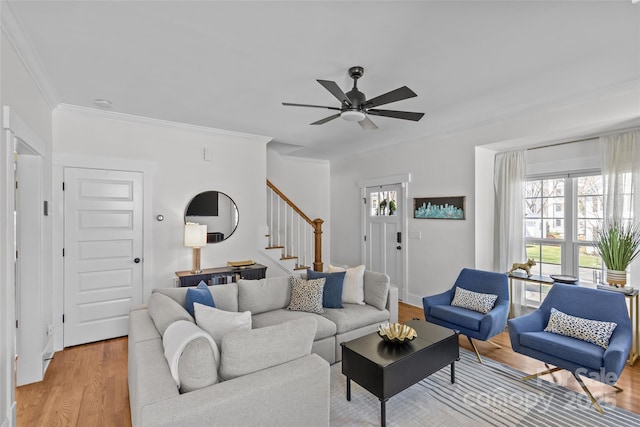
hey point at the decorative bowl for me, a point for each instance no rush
(563, 278)
(239, 264)
(396, 333)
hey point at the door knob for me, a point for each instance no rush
(398, 247)
(136, 260)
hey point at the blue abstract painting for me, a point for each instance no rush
(439, 207)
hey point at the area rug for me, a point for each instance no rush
(488, 394)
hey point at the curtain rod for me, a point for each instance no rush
(583, 139)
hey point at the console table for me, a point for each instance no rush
(222, 275)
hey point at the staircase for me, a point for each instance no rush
(293, 240)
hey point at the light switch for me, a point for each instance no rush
(206, 154)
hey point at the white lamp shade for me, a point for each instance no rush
(195, 235)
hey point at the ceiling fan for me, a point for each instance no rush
(354, 106)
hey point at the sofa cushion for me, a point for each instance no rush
(325, 327)
(332, 292)
(199, 294)
(244, 352)
(475, 301)
(353, 287)
(165, 310)
(593, 331)
(354, 316)
(306, 295)
(258, 296)
(192, 355)
(458, 316)
(376, 289)
(218, 323)
(225, 296)
(572, 349)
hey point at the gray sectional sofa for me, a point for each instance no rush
(294, 391)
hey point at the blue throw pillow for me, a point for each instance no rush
(199, 294)
(332, 293)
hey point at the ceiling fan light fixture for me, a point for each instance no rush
(353, 116)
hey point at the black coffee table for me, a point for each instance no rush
(385, 369)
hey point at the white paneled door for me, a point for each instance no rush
(383, 231)
(102, 252)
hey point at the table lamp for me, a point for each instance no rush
(195, 236)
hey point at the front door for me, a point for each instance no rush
(102, 252)
(383, 231)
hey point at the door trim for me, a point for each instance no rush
(403, 179)
(59, 162)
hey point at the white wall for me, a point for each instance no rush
(306, 182)
(20, 93)
(178, 172)
(445, 165)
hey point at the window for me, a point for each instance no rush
(561, 214)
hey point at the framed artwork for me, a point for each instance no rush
(438, 207)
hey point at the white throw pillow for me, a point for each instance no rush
(218, 323)
(192, 355)
(353, 286)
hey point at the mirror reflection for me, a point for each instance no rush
(215, 209)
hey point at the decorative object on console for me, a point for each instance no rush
(564, 278)
(439, 207)
(617, 243)
(396, 333)
(195, 236)
(240, 264)
(526, 266)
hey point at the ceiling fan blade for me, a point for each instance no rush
(291, 104)
(405, 115)
(393, 96)
(367, 124)
(326, 119)
(335, 90)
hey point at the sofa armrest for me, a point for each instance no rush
(532, 322)
(392, 304)
(615, 356)
(292, 394)
(495, 321)
(443, 298)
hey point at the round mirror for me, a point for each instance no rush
(217, 211)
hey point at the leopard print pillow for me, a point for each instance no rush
(474, 300)
(306, 295)
(593, 331)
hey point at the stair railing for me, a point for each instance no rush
(292, 230)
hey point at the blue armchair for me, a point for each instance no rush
(577, 356)
(473, 324)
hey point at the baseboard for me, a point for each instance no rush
(414, 300)
(10, 422)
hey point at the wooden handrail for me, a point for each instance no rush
(315, 223)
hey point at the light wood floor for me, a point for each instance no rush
(86, 385)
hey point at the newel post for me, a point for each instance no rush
(317, 231)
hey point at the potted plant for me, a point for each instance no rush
(618, 243)
(392, 207)
(383, 206)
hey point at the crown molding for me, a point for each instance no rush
(13, 31)
(130, 118)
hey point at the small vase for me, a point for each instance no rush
(617, 278)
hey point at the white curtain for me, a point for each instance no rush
(621, 180)
(509, 182)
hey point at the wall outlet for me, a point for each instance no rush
(49, 330)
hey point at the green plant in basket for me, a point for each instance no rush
(618, 243)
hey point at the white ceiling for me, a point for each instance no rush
(230, 65)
